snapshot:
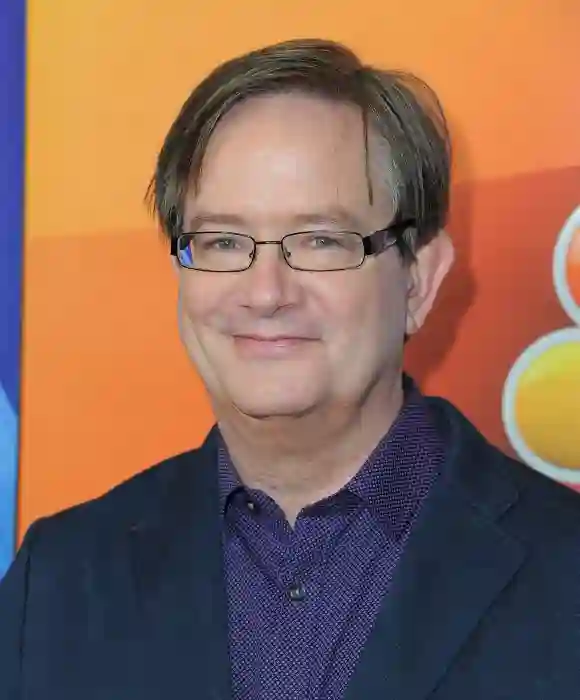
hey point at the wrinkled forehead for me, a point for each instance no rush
(287, 156)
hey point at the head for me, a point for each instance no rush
(302, 137)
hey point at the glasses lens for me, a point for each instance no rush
(215, 251)
(324, 250)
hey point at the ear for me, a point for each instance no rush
(426, 274)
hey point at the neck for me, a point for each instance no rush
(299, 461)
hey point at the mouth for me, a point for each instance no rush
(279, 346)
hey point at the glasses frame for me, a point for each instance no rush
(373, 244)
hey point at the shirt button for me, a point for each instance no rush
(251, 506)
(296, 593)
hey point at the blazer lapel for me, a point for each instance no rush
(181, 607)
(456, 562)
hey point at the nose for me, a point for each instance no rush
(270, 284)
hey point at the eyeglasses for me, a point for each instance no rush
(310, 251)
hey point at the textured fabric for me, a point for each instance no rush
(302, 601)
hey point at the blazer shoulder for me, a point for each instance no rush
(544, 509)
(129, 502)
(551, 503)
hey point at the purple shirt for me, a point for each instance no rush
(302, 602)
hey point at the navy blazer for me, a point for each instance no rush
(123, 598)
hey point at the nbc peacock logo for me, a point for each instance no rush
(541, 397)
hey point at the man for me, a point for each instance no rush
(338, 535)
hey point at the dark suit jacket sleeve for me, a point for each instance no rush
(13, 603)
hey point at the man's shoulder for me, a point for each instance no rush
(543, 507)
(124, 506)
(548, 509)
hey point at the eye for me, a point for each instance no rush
(219, 242)
(322, 239)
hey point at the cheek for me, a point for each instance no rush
(368, 312)
(198, 310)
(199, 299)
(189, 306)
(189, 312)
(197, 316)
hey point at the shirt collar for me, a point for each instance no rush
(229, 481)
(400, 471)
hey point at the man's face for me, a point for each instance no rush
(273, 341)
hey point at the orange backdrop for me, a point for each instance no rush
(107, 389)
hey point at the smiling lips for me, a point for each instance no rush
(280, 346)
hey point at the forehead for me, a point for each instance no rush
(284, 156)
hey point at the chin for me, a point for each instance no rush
(272, 412)
(265, 389)
(280, 408)
(263, 401)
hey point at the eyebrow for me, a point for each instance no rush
(335, 216)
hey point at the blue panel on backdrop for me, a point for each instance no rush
(12, 78)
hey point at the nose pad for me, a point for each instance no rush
(285, 256)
